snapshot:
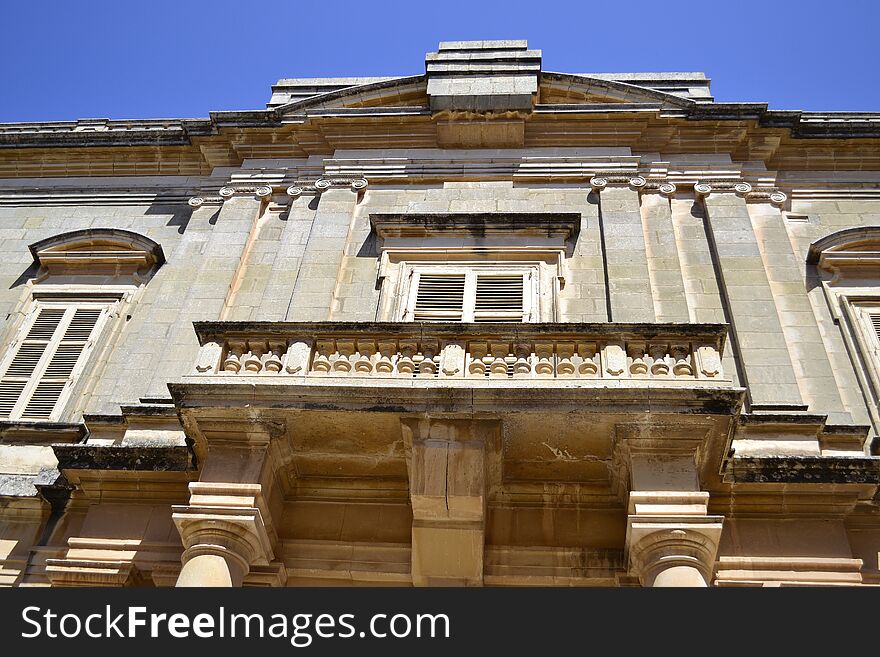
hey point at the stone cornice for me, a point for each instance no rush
(169, 132)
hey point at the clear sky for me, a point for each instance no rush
(184, 58)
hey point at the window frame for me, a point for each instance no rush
(48, 296)
(412, 271)
(530, 274)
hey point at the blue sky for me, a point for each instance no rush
(161, 59)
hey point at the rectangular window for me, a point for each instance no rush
(471, 294)
(46, 358)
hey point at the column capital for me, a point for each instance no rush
(254, 190)
(199, 201)
(355, 183)
(634, 181)
(659, 543)
(225, 520)
(741, 188)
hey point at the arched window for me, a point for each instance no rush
(83, 280)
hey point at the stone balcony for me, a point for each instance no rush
(557, 397)
(463, 355)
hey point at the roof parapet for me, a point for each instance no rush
(483, 76)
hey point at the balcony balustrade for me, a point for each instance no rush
(674, 353)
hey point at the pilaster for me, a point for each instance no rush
(757, 333)
(195, 283)
(313, 293)
(661, 249)
(448, 487)
(629, 284)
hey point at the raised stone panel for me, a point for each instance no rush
(664, 266)
(784, 269)
(629, 284)
(756, 325)
(312, 298)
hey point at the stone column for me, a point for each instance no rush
(447, 472)
(227, 528)
(223, 534)
(757, 334)
(671, 540)
(313, 294)
(626, 261)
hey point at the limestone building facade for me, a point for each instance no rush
(485, 325)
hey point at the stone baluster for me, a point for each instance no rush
(478, 351)
(565, 352)
(274, 356)
(498, 367)
(364, 363)
(253, 359)
(405, 364)
(387, 350)
(659, 366)
(587, 351)
(321, 362)
(522, 368)
(682, 357)
(544, 353)
(345, 350)
(428, 366)
(636, 352)
(234, 351)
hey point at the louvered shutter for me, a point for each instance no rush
(500, 298)
(46, 360)
(439, 297)
(874, 318)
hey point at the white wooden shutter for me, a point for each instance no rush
(439, 297)
(501, 297)
(46, 361)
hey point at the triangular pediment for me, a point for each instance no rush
(569, 89)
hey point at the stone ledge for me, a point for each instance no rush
(804, 470)
(115, 457)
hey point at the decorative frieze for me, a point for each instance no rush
(199, 201)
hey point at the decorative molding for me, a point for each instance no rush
(199, 201)
(243, 189)
(638, 182)
(96, 251)
(741, 188)
(91, 572)
(468, 224)
(300, 187)
(667, 189)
